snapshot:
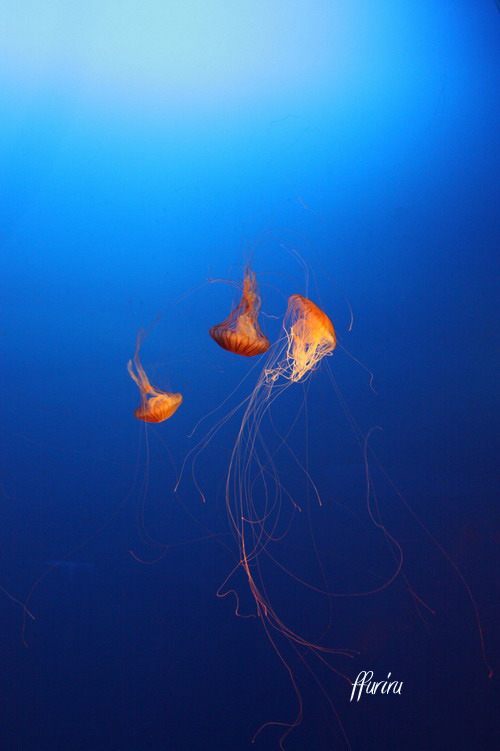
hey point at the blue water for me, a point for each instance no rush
(145, 149)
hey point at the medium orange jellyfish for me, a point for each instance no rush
(240, 332)
(156, 405)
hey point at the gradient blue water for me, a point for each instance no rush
(144, 148)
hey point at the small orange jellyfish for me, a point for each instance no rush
(156, 405)
(241, 333)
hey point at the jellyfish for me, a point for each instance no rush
(261, 505)
(310, 336)
(156, 405)
(240, 332)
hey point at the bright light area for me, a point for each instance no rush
(188, 53)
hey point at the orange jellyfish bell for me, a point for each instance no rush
(156, 405)
(241, 333)
(310, 335)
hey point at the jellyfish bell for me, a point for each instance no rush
(156, 405)
(159, 407)
(240, 332)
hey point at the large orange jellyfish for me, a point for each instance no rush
(260, 508)
(310, 336)
(240, 332)
(156, 405)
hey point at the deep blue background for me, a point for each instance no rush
(144, 148)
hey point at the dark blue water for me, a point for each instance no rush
(146, 148)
